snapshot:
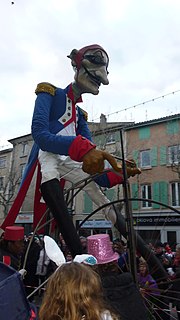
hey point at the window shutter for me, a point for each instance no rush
(136, 156)
(155, 194)
(172, 127)
(134, 189)
(144, 133)
(88, 204)
(110, 194)
(163, 188)
(154, 157)
(163, 156)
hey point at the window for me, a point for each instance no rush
(145, 158)
(22, 168)
(24, 149)
(1, 183)
(2, 162)
(110, 138)
(146, 194)
(175, 194)
(174, 154)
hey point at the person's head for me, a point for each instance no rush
(73, 291)
(158, 247)
(83, 242)
(14, 239)
(167, 247)
(143, 268)
(68, 256)
(178, 249)
(118, 247)
(90, 64)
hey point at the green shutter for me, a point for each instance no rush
(156, 194)
(117, 136)
(88, 204)
(134, 189)
(144, 133)
(163, 190)
(135, 154)
(154, 157)
(110, 193)
(163, 156)
(172, 127)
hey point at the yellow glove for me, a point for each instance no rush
(93, 161)
(132, 168)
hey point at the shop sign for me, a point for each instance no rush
(24, 218)
(170, 220)
(99, 224)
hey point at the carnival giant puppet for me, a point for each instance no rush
(63, 142)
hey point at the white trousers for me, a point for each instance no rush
(55, 166)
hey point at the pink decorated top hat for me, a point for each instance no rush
(100, 247)
(14, 233)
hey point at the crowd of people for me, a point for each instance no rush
(116, 289)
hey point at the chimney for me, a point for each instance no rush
(103, 121)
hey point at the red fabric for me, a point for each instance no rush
(33, 315)
(79, 147)
(114, 179)
(7, 260)
(12, 214)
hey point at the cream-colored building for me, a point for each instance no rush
(5, 175)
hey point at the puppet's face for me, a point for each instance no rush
(93, 71)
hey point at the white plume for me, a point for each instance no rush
(53, 251)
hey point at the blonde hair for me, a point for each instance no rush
(73, 292)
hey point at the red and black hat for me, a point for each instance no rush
(80, 54)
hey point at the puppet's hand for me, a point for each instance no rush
(93, 161)
(132, 168)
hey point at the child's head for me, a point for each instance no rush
(73, 290)
(143, 268)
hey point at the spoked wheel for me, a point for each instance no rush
(159, 302)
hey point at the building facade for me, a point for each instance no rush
(5, 178)
(155, 145)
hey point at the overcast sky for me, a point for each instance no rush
(142, 38)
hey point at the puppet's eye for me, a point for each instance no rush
(95, 59)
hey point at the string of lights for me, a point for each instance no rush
(139, 104)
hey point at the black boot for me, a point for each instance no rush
(54, 198)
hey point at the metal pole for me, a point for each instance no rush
(128, 217)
